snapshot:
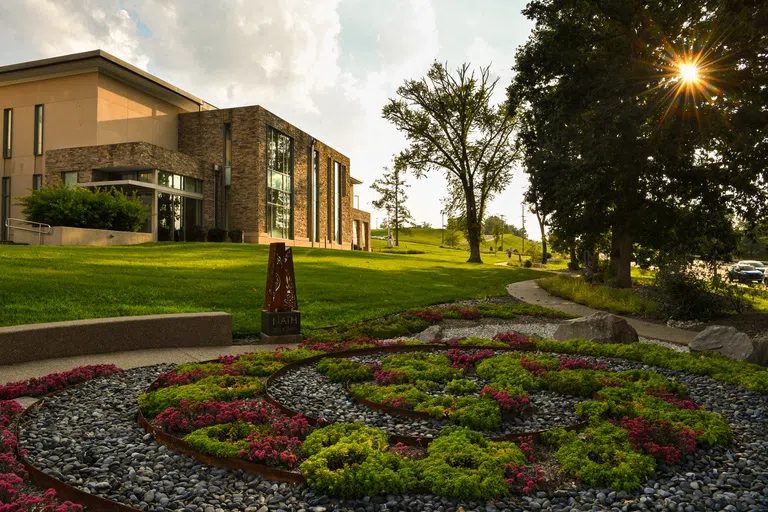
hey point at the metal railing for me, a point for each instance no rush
(25, 225)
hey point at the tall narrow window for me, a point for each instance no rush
(69, 178)
(38, 130)
(6, 207)
(37, 182)
(7, 132)
(329, 200)
(337, 201)
(316, 196)
(228, 175)
(279, 184)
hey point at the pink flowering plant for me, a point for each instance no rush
(192, 416)
(661, 439)
(13, 476)
(55, 381)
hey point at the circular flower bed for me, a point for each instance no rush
(646, 435)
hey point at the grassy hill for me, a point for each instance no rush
(46, 284)
(433, 237)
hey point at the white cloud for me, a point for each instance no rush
(292, 56)
(46, 28)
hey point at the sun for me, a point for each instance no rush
(689, 72)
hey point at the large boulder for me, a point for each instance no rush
(732, 343)
(599, 327)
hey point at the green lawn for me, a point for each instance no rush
(433, 236)
(44, 284)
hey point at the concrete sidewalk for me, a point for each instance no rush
(530, 292)
(124, 360)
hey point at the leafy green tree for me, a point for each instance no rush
(640, 118)
(391, 188)
(452, 127)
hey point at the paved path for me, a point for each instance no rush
(124, 360)
(529, 291)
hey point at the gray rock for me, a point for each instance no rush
(731, 343)
(599, 327)
(430, 333)
(760, 344)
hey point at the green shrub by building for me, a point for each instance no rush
(77, 207)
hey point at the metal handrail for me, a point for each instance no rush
(34, 227)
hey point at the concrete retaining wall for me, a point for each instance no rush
(62, 235)
(34, 342)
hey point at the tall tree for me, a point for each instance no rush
(391, 188)
(640, 116)
(539, 209)
(451, 126)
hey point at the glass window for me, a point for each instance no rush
(146, 176)
(37, 182)
(179, 182)
(337, 176)
(38, 130)
(316, 195)
(7, 132)
(69, 178)
(279, 184)
(228, 175)
(6, 207)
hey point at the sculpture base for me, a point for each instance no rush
(280, 323)
(281, 340)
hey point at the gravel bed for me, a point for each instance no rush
(306, 390)
(88, 437)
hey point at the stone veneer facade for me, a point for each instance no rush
(201, 134)
(87, 161)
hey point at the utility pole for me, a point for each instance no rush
(523, 232)
(442, 227)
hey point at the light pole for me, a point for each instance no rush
(523, 232)
(442, 227)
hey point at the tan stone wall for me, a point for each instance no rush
(201, 134)
(36, 342)
(126, 114)
(69, 120)
(63, 235)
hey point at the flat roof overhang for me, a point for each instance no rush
(141, 184)
(103, 62)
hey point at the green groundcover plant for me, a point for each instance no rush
(214, 387)
(636, 419)
(415, 321)
(344, 370)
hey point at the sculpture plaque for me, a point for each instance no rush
(280, 315)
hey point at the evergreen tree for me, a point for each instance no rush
(391, 188)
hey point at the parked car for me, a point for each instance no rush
(745, 274)
(759, 265)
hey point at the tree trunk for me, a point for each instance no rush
(397, 218)
(621, 259)
(573, 252)
(474, 229)
(542, 223)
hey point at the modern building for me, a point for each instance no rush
(93, 120)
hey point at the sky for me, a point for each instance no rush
(326, 66)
